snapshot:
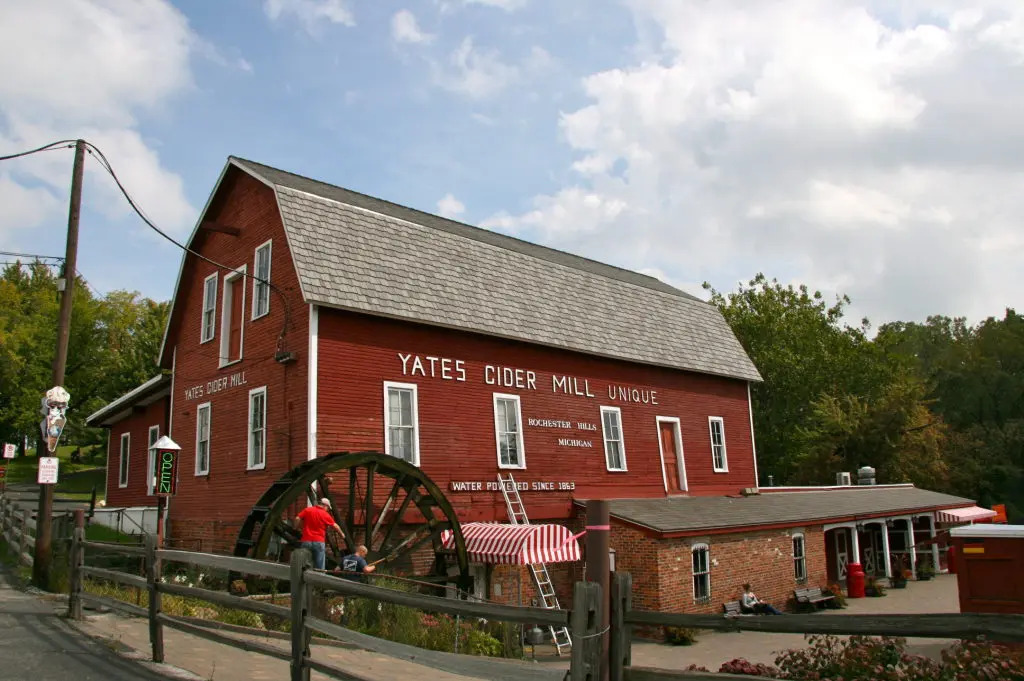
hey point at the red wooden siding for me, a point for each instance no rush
(357, 353)
(210, 508)
(137, 425)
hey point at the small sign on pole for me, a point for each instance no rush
(166, 466)
(10, 451)
(48, 470)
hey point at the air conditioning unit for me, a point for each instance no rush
(843, 479)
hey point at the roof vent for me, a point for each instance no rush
(843, 479)
(865, 475)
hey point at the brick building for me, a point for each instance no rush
(468, 354)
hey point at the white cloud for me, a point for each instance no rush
(475, 73)
(507, 5)
(876, 151)
(404, 29)
(311, 13)
(450, 207)
(136, 59)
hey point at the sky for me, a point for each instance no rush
(867, 148)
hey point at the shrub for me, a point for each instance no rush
(743, 667)
(884, 659)
(481, 643)
(680, 636)
(837, 594)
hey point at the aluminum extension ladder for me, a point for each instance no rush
(541, 578)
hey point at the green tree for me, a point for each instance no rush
(805, 354)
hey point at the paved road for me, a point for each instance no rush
(36, 644)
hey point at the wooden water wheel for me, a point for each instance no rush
(380, 501)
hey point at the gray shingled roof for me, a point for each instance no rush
(358, 253)
(682, 514)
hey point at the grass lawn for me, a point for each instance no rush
(75, 480)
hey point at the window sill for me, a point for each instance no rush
(208, 340)
(227, 364)
(617, 470)
(260, 467)
(506, 467)
(720, 470)
(202, 475)
(120, 486)
(260, 316)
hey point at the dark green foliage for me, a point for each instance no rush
(681, 636)
(939, 404)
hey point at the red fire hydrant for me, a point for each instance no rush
(855, 580)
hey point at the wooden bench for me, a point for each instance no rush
(733, 609)
(813, 597)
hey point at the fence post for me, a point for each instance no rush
(156, 628)
(620, 646)
(76, 559)
(301, 561)
(584, 625)
(24, 540)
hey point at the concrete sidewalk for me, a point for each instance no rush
(212, 661)
(38, 644)
(712, 649)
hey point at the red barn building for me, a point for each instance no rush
(469, 354)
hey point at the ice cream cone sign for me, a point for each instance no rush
(54, 407)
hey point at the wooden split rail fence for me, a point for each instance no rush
(583, 621)
(1002, 628)
(18, 529)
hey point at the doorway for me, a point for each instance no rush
(670, 444)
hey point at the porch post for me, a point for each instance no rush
(935, 544)
(855, 545)
(909, 520)
(885, 549)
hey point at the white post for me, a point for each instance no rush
(885, 549)
(910, 544)
(855, 545)
(935, 544)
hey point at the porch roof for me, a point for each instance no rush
(687, 515)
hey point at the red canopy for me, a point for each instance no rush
(964, 515)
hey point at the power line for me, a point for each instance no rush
(93, 149)
(32, 255)
(102, 159)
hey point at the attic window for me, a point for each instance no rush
(209, 308)
(261, 282)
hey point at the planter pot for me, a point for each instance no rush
(923, 578)
(901, 584)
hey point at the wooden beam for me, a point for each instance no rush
(225, 599)
(954, 625)
(114, 576)
(452, 606)
(211, 226)
(246, 566)
(211, 635)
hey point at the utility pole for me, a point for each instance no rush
(43, 550)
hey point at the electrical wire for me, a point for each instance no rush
(62, 144)
(102, 159)
(95, 151)
(31, 255)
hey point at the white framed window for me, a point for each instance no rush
(401, 422)
(257, 428)
(209, 308)
(508, 431)
(122, 462)
(799, 558)
(614, 445)
(719, 459)
(701, 573)
(261, 281)
(203, 414)
(154, 435)
(232, 317)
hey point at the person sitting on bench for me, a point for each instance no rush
(749, 603)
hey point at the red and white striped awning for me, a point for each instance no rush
(964, 515)
(516, 544)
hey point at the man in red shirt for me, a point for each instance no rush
(313, 522)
